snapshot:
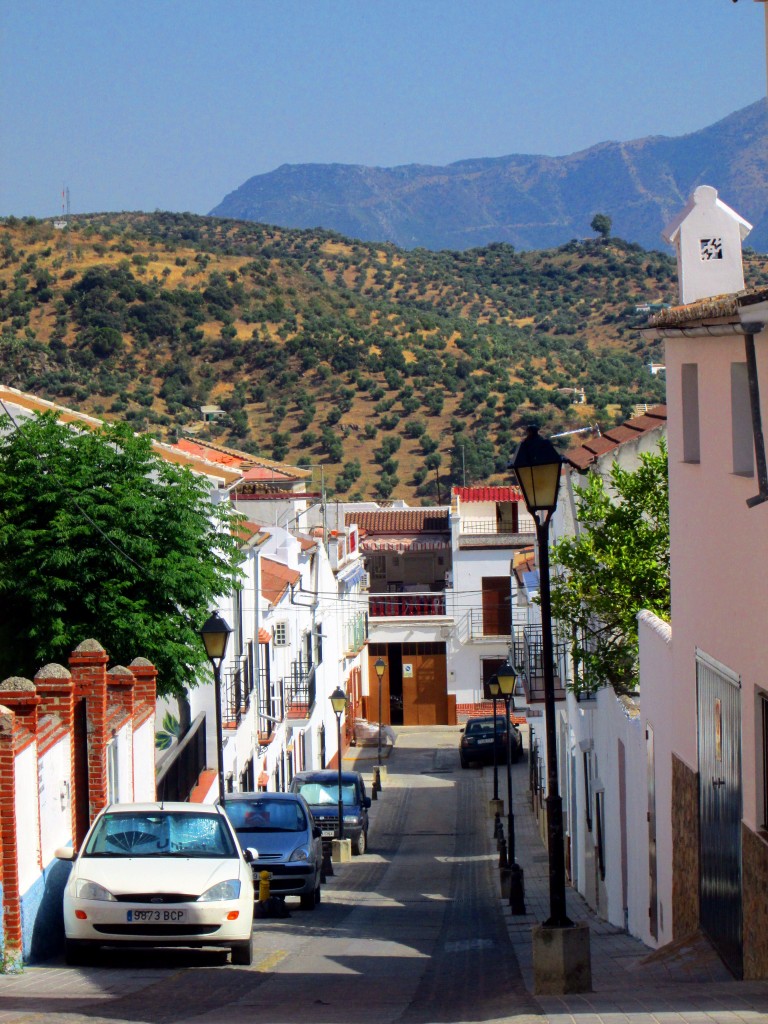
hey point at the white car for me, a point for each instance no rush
(170, 874)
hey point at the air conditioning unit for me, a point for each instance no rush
(365, 581)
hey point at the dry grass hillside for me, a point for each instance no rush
(395, 371)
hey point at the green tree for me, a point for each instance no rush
(602, 223)
(100, 537)
(615, 567)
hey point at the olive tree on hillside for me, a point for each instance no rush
(100, 537)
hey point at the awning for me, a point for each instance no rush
(352, 575)
(400, 544)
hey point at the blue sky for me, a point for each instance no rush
(171, 104)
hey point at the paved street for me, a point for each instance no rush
(413, 932)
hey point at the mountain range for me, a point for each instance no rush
(530, 202)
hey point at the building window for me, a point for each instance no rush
(741, 422)
(281, 634)
(319, 645)
(690, 386)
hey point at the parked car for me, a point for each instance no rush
(281, 827)
(321, 791)
(477, 741)
(169, 874)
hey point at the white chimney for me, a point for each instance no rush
(707, 237)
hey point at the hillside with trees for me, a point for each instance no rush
(397, 371)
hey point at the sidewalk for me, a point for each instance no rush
(686, 983)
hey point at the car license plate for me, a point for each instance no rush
(329, 832)
(485, 741)
(154, 916)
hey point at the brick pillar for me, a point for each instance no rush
(145, 690)
(19, 705)
(121, 693)
(56, 692)
(9, 862)
(88, 663)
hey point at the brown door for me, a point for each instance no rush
(378, 705)
(497, 606)
(425, 698)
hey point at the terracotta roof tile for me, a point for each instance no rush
(470, 494)
(585, 455)
(401, 521)
(276, 578)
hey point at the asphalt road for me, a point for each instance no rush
(410, 933)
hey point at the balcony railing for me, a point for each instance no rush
(178, 774)
(528, 648)
(525, 524)
(237, 687)
(299, 689)
(396, 605)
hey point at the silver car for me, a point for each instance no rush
(281, 827)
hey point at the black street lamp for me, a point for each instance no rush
(215, 634)
(339, 703)
(493, 688)
(380, 666)
(507, 677)
(537, 465)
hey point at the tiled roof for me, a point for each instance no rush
(417, 520)
(703, 309)
(276, 578)
(11, 397)
(246, 531)
(224, 456)
(469, 494)
(588, 453)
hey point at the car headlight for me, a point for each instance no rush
(229, 890)
(351, 819)
(300, 853)
(87, 890)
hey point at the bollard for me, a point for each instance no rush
(500, 836)
(326, 871)
(497, 826)
(374, 792)
(264, 878)
(503, 854)
(516, 890)
(377, 778)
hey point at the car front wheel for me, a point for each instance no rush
(75, 953)
(241, 953)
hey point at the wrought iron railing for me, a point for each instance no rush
(525, 524)
(299, 689)
(529, 658)
(236, 688)
(179, 772)
(396, 605)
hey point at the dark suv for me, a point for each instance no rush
(477, 741)
(321, 791)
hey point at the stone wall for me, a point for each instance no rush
(685, 849)
(754, 874)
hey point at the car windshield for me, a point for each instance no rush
(160, 834)
(485, 728)
(318, 794)
(266, 815)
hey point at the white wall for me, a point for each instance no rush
(27, 820)
(55, 787)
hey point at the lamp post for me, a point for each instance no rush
(537, 465)
(493, 687)
(507, 677)
(215, 634)
(339, 703)
(379, 665)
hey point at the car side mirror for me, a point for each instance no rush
(366, 802)
(65, 853)
(250, 854)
